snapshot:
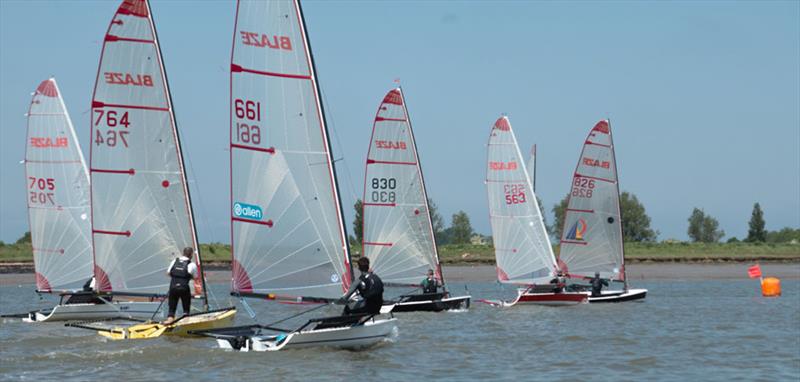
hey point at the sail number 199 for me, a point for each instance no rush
(250, 111)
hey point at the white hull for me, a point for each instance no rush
(352, 337)
(618, 295)
(139, 309)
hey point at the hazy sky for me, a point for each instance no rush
(704, 97)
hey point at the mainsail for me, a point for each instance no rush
(521, 245)
(141, 211)
(287, 231)
(57, 194)
(592, 236)
(398, 234)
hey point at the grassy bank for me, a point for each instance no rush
(484, 254)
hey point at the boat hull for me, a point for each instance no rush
(181, 328)
(551, 299)
(90, 311)
(618, 296)
(350, 337)
(450, 303)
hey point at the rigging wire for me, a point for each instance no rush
(343, 160)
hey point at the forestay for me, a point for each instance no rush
(141, 212)
(57, 194)
(521, 245)
(398, 235)
(287, 229)
(592, 235)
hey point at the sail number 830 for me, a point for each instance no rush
(250, 111)
(383, 190)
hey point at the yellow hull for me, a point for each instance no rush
(180, 328)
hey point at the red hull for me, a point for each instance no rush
(552, 298)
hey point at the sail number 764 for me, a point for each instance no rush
(250, 111)
(114, 134)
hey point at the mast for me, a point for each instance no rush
(171, 106)
(424, 189)
(338, 198)
(533, 157)
(619, 206)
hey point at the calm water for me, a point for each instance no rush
(697, 330)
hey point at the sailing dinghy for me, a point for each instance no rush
(58, 214)
(141, 209)
(398, 232)
(522, 248)
(287, 232)
(592, 236)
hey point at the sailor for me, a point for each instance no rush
(430, 284)
(597, 285)
(181, 271)
(559, 282)
(369, 286)
(86, 296)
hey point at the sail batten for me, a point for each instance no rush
(397, 228)
(522, 247)
(57, 185)
(287, 231)
(591, 239)
(141, 210)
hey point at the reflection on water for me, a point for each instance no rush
(700, 330)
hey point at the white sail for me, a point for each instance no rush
(287, 230)
(521, 245)
(592, 236)
(398, 234)
(532, 167)
(57, 193)
(141, 213)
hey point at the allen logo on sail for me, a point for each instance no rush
(262, 40)
(128, 79)
(45, 142)
(596, 163)
(247, 211)
(499, 166)
(391, 145)
(577, 230)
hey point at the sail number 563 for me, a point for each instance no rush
(515, 193)
(250, 111)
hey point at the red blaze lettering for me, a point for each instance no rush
(499, 166)
(45, 142)
(128, 79)
(263, 40)
(391, 145)
(596, 163)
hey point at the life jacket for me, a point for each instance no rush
(180, 275)
(429, 285)
(372, 290)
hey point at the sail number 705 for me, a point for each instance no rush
(39, 190)
(250, 111)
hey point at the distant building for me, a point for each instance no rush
(478, 239)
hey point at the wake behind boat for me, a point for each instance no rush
(287, 231)
(522, 248)
(592, 240)
(397, 229)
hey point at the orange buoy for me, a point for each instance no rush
(771, 287)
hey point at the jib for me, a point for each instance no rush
(503, 165)
(391, 145)
(128, 79)
(596, 163)
(49, 142)
(262, 40)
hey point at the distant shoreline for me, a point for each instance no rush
(472, 273)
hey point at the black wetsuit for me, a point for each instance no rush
(597, 286)
(179, 287)
(370, 287)
(430, 285)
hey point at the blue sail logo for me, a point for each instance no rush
(247, 211)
